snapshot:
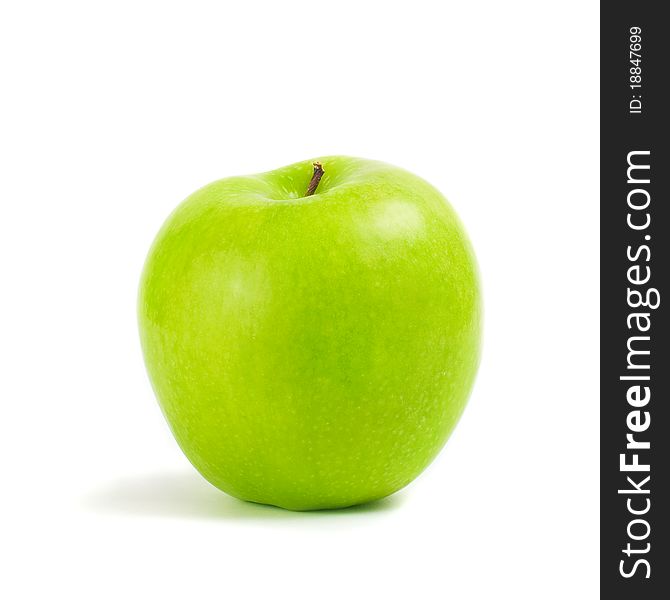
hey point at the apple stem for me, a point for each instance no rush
(314, 182)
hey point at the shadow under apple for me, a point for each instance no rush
(187, 496)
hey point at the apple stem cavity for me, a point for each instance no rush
(316, 177)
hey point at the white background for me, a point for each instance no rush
(113, 112)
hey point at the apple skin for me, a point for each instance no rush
(312, 352)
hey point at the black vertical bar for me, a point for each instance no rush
(635, 269)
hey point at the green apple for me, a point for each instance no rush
(311, 343)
